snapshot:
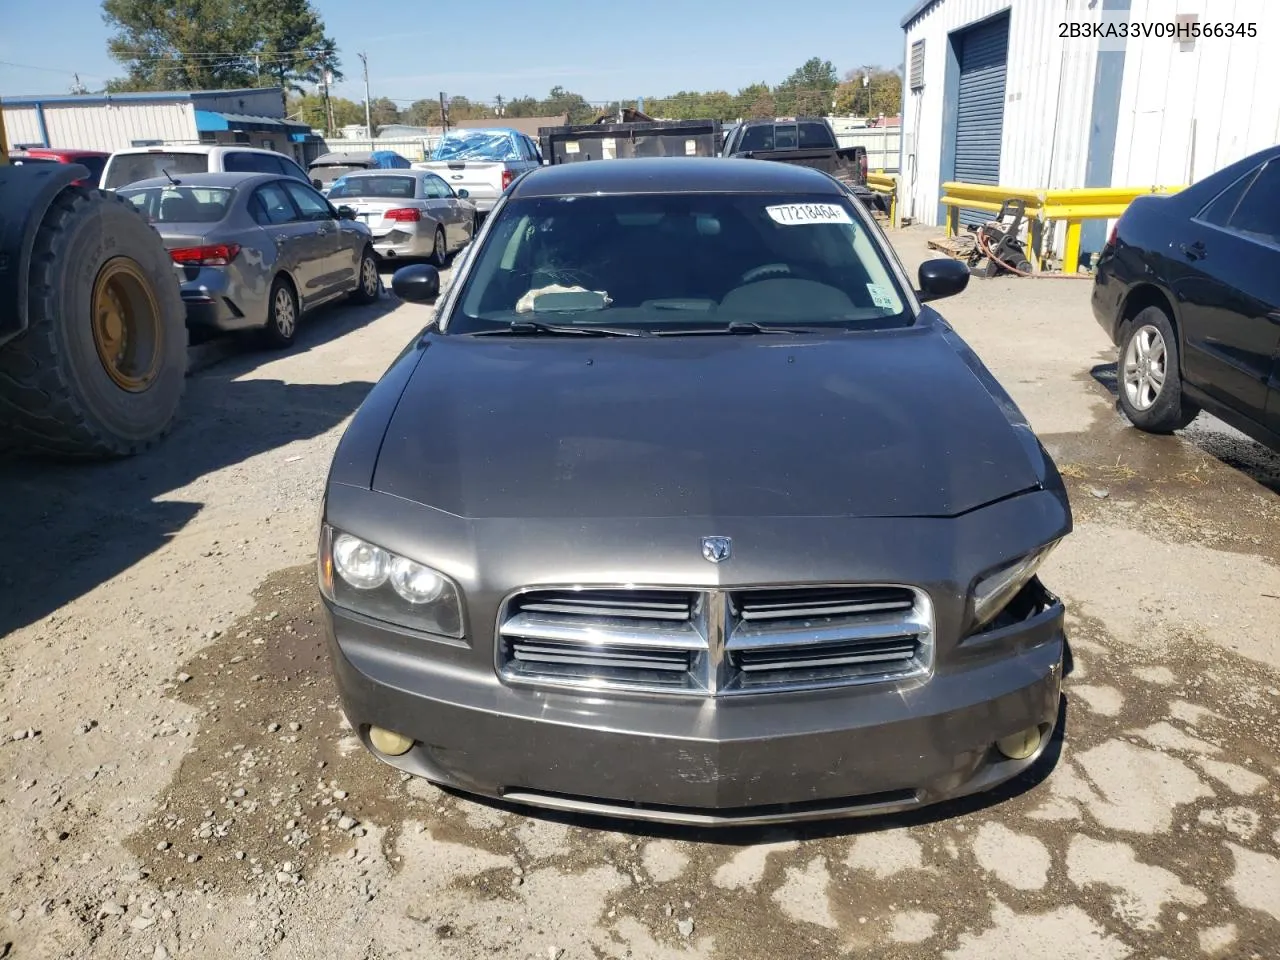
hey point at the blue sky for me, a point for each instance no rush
(602, 50)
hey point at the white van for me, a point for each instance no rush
(142, 163)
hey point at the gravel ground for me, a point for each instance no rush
(176, 779)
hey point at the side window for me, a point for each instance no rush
(1258, 213)
(440, 189)
(271, 205)
(430, 190)
(245, 162)
(312, 205)
(1219, 210)
(291, 169)
(529, 152)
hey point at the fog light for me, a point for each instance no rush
(1020, 745)
(388, 742)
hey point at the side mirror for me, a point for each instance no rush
(346, 213)
(419, 283)
(463, 193)
(317, 184)
(940, 278)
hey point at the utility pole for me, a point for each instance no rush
(499, 101)
(444, 114)
(368, 108)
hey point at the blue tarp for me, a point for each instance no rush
(495, 144)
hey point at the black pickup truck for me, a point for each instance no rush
(808, 142)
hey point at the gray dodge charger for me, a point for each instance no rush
(683, 507)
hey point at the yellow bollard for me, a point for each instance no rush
(1071, 253)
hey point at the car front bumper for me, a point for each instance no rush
(756, 759)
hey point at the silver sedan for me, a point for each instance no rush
(255, 250)
(411, 214)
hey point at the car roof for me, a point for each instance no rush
(227, 180)
(674, 175)
(341, 159)
(206, 149)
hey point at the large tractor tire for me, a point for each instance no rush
(100, 369)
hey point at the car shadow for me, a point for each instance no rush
(72, 526)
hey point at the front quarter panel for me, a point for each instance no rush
(357, 453)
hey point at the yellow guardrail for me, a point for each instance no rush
(1046, 206)
(886, 183)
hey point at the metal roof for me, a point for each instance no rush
(918, 9)
(159, 96)
(674, 175)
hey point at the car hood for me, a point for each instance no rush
(890, 424)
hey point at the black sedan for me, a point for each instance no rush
(1188, 287)
(687, 507)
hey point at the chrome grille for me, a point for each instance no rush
(716, 642)
(820, 636)
(635, 639)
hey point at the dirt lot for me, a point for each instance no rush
(176, 778)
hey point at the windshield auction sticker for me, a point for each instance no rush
(792, 214)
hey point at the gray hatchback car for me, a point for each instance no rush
(256, 251)
(685, 507)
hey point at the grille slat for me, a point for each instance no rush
(712, 643)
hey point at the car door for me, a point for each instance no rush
(443, 207)
(1225, 277)
(338, 267)
(296, 245)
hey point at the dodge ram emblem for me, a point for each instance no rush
(716, 549)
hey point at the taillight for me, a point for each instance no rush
(1111, 238)
(404, 214)
(214, 255)
(507, 177)
(862, 162)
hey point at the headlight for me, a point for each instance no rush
(994, 591)
(363, 577)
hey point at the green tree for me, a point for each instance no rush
(560, 101)
(809, 90)
(207, 44)
(381, 112)
(882, 94)
(422, 113)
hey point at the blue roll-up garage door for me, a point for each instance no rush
(984, 58)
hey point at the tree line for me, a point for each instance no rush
(212, 44)
(813, 89)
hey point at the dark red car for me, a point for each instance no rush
(94, 160)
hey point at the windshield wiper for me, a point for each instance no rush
(538, 328)
(739, 327)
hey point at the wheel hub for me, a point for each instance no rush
(128, 332)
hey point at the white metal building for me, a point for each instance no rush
(254, 117)
(994, 93)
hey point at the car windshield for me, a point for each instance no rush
(668, 262)
(132, 167)
(180, 204)
(391, 188)
(476, 145)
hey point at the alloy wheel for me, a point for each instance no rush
(1145, 367)
(286, 315)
